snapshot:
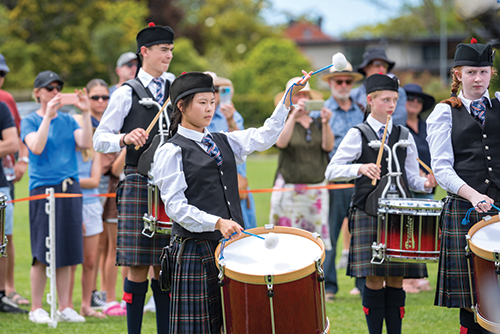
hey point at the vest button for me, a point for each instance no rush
(225, 188)
(228, 203)
(485, 135)
(489, 168)
(221, 173)
(488, 157)
(486, 181)
(487, 147)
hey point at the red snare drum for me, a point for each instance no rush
(483, 240)
(3, 238)
(155, 220)
(408, 230)
(278, 290)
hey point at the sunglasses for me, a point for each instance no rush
(413, 98)
(378, 63)
(308, 135)
(130, 64)
(216, 89)
(340, 82)
(97, 97)
(3, 74)
(50, 88)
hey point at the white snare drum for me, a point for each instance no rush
(3, 238)
(483, 239)
(155, 220)
(278, 290)
(408, 230)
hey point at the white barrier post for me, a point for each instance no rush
(50, 255)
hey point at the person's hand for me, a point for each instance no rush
(325, 115)
(19, 170)
(83, 100)
(370, 170)
(228, 227)
(482, 203)
(228, 110)
(136, 137)
(431, 181)
(53, 105)
(299, 109)
(297, 87)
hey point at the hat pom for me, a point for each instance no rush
(473, 41)
(183, 72)
(381, 73)
(151, 24)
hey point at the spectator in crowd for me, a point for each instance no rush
(126, 68)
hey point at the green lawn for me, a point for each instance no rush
(345, 314)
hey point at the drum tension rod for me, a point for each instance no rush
(319, 269)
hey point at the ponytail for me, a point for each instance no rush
(454, 101)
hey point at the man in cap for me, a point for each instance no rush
(13, 171)
(375, 61)
(123, 125)
(345, 114)
(126, 68)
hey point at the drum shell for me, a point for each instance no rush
(156, 207)
(3, 239)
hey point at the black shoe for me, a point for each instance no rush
(8, 306)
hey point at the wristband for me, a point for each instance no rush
(24, 159)
(122, 140)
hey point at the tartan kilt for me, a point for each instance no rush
(453, 288)
(363, 229)
(133, 248)
(195, 304)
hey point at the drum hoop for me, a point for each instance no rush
(486, 324)
(478, 251)
(278, 278)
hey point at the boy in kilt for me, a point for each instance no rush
(123, 124)
(382, 296)
(196, 174)
(463, 137)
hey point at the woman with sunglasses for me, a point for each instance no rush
(52, 138)
(304, 144)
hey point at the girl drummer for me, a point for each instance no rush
(354, 159)
(199, 191)
(464, 142)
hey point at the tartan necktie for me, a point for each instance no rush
(478, 109)
(159, 90)
(381, 134)
(213, 150)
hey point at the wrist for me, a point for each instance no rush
(122, 141)
(26, 160)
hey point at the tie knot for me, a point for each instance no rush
(206, 140)
(158, 81)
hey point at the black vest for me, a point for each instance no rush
(363, 185)
(140, 117)
(210, 188)
(476, 149)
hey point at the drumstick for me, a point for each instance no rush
(427, 168)
(153, 122)
(381, 150)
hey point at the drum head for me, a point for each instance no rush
(488, 237)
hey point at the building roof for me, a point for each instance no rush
(307, 32)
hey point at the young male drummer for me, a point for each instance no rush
(463, 138)
(123, 124)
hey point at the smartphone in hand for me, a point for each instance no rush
(314, 105)
(69, 98)
(224, 95)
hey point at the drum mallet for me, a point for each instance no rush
(427, 168)
(153, 122)
(381, 149)
(271, 241)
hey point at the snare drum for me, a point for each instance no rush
(483, 239)
(3, 238)
(408, 230)
(278, 290)
(155, 220)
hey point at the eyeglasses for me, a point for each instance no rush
(378, 63)
(131, 64)
(308, 135)
(97, 97)
(413, 98)
(340, 82)
(3, 74)
(50, 88)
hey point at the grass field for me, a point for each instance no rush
(345, 314)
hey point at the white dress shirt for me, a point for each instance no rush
(439, 125)
(169, 176)
(341, 167)
(107, 135)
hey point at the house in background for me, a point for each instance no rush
(416, 55)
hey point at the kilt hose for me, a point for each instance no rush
(195, 305)
(134, 248)
(363, 228)
(453, 288)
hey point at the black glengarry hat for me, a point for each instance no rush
(153, 35)
(378, 82)
(374, 53)
(190, 83)
(474, 54)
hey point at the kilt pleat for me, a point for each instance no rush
(363, 229)
(133, 248)
(195, 295)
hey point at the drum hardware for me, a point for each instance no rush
(321, 280)
(156, 212)
(3, 237)
(270, 293)
(222, 265)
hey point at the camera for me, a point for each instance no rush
(225, 95)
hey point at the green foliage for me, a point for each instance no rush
(186, 58)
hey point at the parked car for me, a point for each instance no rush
(25, 108)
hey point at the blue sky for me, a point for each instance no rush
(338, 15)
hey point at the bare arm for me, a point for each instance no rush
(327, 139)
(95, 174)
(286, 135)
(9, 143)
(36, 141)
(83, 136)
(118, 164)
(20, 166)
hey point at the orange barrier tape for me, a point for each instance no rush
(266, 190)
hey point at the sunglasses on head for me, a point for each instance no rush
(340, 82)
(413, 98)
(50, 88)
(97, 97)
(380, 63)
(131, 64)
(2, 74)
